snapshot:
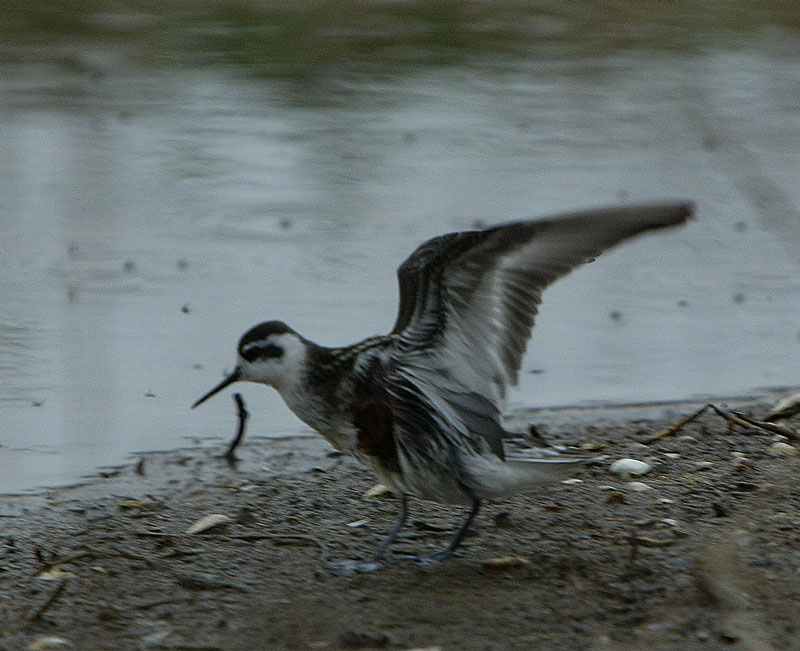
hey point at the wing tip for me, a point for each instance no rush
(671, 213)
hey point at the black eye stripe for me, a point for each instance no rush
(261, 351)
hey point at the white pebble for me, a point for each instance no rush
(208, 522)
(629, 467)
(781, 449)
(638, 486)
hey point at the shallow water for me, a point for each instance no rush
(156, 200)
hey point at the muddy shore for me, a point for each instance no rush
(702, 552)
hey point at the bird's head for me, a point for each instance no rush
(270, 353)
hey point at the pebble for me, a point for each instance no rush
(49, 642)
(574, 480)
(616, 497)
(630, 467)
(361, 640)
(376, 491)
(781, 449)
(207, 523)
(742, 463)
(664, 500)
(638, 486)
(503, 562)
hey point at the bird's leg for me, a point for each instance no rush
(348, 568)
(390, 537)
(458, 536)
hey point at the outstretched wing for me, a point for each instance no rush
(468, 300)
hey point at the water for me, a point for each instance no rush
(166, 182)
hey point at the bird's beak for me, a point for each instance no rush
(233, 377)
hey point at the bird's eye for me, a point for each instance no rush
(255, 351)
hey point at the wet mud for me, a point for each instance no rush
(701, 552)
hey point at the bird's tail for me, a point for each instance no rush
(525, 468)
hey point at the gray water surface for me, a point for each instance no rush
(152, 208)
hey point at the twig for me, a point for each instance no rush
(674, 429)
(768, 427)
(35, 617)
(229, 453)
(732, 418)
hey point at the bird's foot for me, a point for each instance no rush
(350, 568)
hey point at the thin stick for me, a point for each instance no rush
(229, 454)
(732, 418)
(767, 427)
(35, 617)
(674, 429)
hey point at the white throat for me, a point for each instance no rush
(293, 364)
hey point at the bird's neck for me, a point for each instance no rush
(317, 390)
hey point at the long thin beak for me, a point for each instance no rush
(228, 380)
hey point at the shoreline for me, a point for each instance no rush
(559, 416)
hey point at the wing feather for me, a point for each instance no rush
(468, 300)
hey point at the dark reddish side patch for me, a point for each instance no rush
(375, 437)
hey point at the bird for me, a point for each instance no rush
(422, 405)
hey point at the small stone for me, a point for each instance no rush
(742, 463)
(670, 522)
(574, 480)
(207, 523)
(132, 505)
(672, 455)
(781, 449)
(361, 640)
(638, 486)
(703, 465)
(664, 501)
(616, 497)
(630, 467)
(55, 574)
(504, 562)
(49, 642)
(377, 490)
